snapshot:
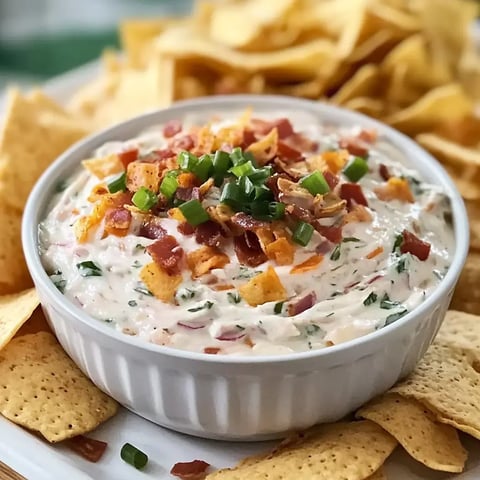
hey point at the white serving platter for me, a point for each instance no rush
(37, 460)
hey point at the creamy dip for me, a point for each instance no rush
(378, 247)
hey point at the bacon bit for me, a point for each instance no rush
(179, 144)
(187, 180)
(117, 222)
(171, 128)
(383, 172)
(412, 244)
(248, 138)
(281, 251)
(335, 160)
(128, 156)
(248, 250)
(395, 189)
(265, 149)
(300, 142)
(211, 351)
(222, 287)
(209, 233)
(287, 153)
(167, 253)
(185, 228)
(368, 135)
(299, 305)
(143, 175)
(375, 253)
(331, 179)
(294, 173)
(89, 448)
(188, 193)
(332, 233)
(284, 128)
(355, 146)
(272, 183)
(309, 264)
(247, 222)
(353, 194)
(151, 228)
(163, 154)
(358, 213)
(205, 259)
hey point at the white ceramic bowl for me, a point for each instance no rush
(241, 398)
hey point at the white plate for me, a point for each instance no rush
(37, 460)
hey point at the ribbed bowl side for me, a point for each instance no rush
(244, 404)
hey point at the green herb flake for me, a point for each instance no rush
(240, 327)
(58, 281)
(398, 242)
(143, 290)
(136, 264)
(278, 308)
(386, 303)
(132, 303)
(206, 306)
(139, 247)
(351, 239)
(312, 329)
(61, 186)
(187, 294)
(401, 265)
(336, 253)
(234, 297)
(89, 269)
(395, 316)
(372, 298)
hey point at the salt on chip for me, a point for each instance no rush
(44, 391)
(339, 451)
(15, 310)
(448, 384)
(159, 282)
(262, 288)
(435, 445)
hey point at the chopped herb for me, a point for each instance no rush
(108, 320)
(240, 327)
(234, 297)
(355, 271)
(133, 456)
(89, 269)
(330, 315)
(336, 253)
(136, 264)
(143, 290)
(386, 303)
(372, 298)
(336, 294)
(187, 293)
(351, 239)
(132, 303)
(207, 305)
(245, 272)
(395, 316)
(61, 186)
(398, 242)
(401, 265)
(438, 274)
(58, 281)
(312, 329)
(118, 184)
(139, 246)
(277, 309)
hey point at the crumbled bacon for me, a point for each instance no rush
(353, 194)
(301, 303)
(331, 179)
(89, 448)
(248, 138)
(185, 228)
(300, 142)
(248, 250)
(117, 221)
(332, 232)
(354, 145)
(209, 233)
(163, 154)
(412, 244)
(195, 470)
(189, 193)
(288, 169)
(151, 228)
(287, 153)
(299, 213)
(167, 253)
(185, 142)
(128, 156)
(247, 222)
(171, 128)
(368, 135)
(211, 350)
(272, 183)
(383, 172)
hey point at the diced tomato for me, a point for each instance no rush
(128, 156)
(171, 128)
(353, 194)
(412, 244)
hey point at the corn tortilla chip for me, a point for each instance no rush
(340, 451)
(15, 310)
(362, 84)
(461, 330)
(447, 383)
(473, 209)
(43, 390)
(435, 445)
(262, 288)
(368, 106)
(466, 296)
(160, 283)
(36, 323)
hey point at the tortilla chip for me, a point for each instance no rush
(447, 383)
(309, 264)
(368, 106)
(435, 445)
(102, 167)
(466, 296)
(460, 330)
(143, 175)
(280, 250)
(37, 393)
(159, 282)
(36, 323)
(34, 135)
(440, 104)
(15, 310)
(363, 84)
(473, 209)
(205, 259)
(264, 287)
(339, 451)
(378, 475)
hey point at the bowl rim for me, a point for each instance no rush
(42, 190)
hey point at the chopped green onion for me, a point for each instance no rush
(350, 239)
(237, 156)
(267, 210)
(204, 167)
(187, 161)
(207, 305)
(336, 253)
(372, 298)
(58, 281)
(398, 242)
(312, 329)
(144, 199)
(315, 183)
(386, 303)
(194, 213)
(395, 316)
(356, 169)
(233, 196)
(234, 297)
(218, 179)
(278, 308)
(263, 193)
(132, 303)
(303, 233)
(242, 169)
(221, 162)
(169, 186)
(118, 184)
(133, 456)
(89, 269)
(259, 175)
(143, 290)
(247, 187)
(401, 264)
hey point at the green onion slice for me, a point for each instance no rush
(118, 184)
(204, 167)
(89, 269)
(194, 213)
(169, 186)
(303, 233)
(267, 210)
(315, 183)
(221, 162)
(242, 169)
(133, 456)
(356, 169)
(259, 175)
(187, 161)
(144, 199)
(237, 157)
